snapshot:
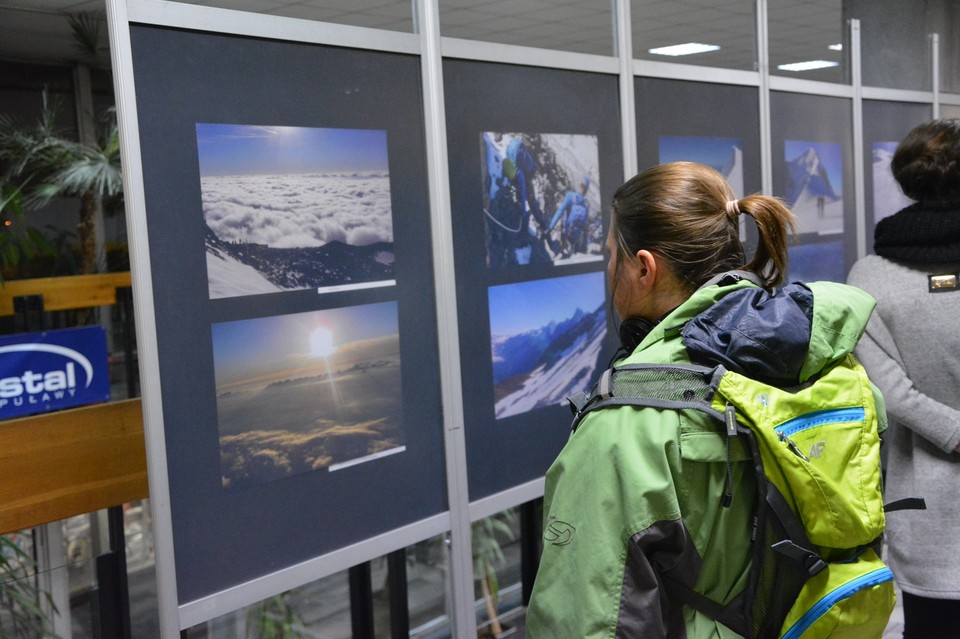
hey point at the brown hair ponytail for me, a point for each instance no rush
(686, 213)
(775, 224)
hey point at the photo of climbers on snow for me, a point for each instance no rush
(541, 199)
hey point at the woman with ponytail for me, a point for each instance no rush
(632, 505)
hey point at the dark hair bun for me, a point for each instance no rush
(927, 162)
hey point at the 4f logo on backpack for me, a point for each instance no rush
(817, 450)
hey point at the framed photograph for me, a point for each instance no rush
(814, 177)
(308, 392)
(814, 173)
(288, 208)
(712, 124)
(546, 338)
(541, 199)
(885, 124)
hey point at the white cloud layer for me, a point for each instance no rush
(299, 211)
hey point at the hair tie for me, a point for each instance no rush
(733, 208)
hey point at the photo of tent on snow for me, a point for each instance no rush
(290, 208)
(541, 198)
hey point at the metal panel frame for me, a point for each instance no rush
(859, 178)
(147, 351)
(527, 56)
(460, 583)
(432, 48)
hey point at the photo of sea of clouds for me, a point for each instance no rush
(290, 208)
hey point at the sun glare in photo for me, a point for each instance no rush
(321, 342)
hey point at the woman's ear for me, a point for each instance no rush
(648, 268)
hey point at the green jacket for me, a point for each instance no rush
(635, 493)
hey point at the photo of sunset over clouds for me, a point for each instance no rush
(317, 391)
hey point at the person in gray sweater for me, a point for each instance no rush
(911, 350)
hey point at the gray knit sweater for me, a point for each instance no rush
(911, 350)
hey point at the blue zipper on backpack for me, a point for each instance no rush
(873, 578)
(821, 417)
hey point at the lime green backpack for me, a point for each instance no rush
(816, 570)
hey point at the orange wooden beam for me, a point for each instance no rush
(70, 462)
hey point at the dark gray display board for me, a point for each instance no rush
(714, 124)
(535, 156)
(286, 202)
(884, 125)
(811, 148)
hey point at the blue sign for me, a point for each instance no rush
(53, 370)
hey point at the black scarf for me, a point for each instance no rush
(923, 232)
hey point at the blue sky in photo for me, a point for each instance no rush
(714, 152)
(273, 342)
(241, 149)
(885, 146)
(829, 153)
(517, 308)
(816, 262)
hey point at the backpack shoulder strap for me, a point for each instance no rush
(665, 386)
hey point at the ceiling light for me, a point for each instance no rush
(836, 47)
(809, 65)
(684, 49)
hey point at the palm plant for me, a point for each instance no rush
(21, 612)
(486, 535)
(49, 164)
(18, 242)
(275, 618)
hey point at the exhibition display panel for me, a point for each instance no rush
(713, 124)
(529, 191)
(289, 233)
(811, 149)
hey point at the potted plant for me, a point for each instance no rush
(487, 536)
(21, 601)
(275, 618)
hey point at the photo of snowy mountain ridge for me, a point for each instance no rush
(288, 208)
(814, 185)
(546, 337)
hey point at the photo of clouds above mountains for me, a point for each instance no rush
(315, 391)
(292, 208)
(814, 188)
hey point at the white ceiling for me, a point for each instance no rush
(38, 30)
